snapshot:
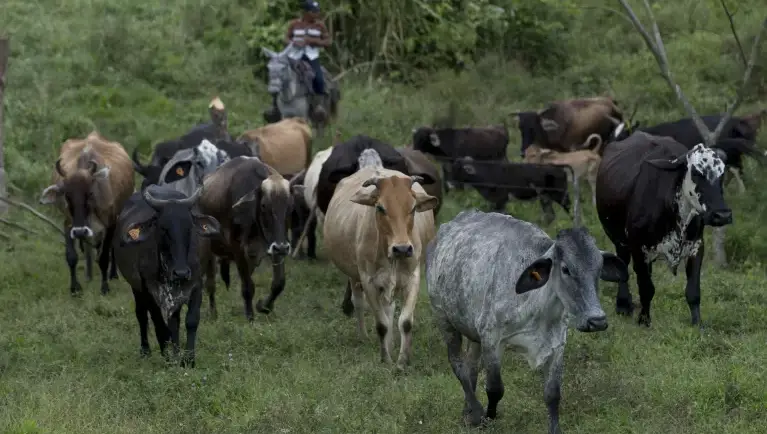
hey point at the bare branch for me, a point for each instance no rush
(735, 33)
(18, 226)
(33, 211)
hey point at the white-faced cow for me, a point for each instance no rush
(253, 204)
(502, 282)
(376, 227)
(157, 250)
(564, 125)
(654, 197)
(92, 179)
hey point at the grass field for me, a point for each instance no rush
(72, 365)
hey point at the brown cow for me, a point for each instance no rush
(252, 202)
(418, 162)
(564, 125)
(285, 145)
(375, 231)
(92, 180)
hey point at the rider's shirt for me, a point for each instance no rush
(300, 29)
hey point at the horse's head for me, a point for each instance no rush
(279, 70)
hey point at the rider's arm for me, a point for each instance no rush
(289, 34)
(324, 40)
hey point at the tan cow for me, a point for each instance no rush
(285, 145)
(376, 229)
(92, 179)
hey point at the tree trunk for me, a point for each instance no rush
(4, 53)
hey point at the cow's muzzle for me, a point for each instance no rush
(719, 218)
(80, 232)
(402, 250)
(279, 249)
(182, 273)
(594, 323)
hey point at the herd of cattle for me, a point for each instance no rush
(209, 199)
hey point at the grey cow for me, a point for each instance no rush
(503, 282)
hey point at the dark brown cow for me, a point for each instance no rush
(418, 162)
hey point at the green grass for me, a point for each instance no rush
(71, 365)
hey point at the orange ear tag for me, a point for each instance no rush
(536, 275)
(180, 171)
(205, 228)
(134, 233)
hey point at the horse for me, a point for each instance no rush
(292, 81)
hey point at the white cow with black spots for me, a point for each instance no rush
(654, 197)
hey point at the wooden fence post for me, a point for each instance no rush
(4, 54)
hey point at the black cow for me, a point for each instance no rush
(156, 248)
(447, 144)
(342, 162)
(164, 151)
(743, 129)
(496, 182)
(654, 197)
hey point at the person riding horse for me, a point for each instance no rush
(305, 37)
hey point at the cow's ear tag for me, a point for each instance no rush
(134, 233)
(180, 171)
(536, 275)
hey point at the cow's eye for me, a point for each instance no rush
(565, 270)
(380, 209)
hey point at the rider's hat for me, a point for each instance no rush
(311, 6)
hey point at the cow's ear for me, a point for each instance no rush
(137, 232)
(664, 164)
(244, 201)
(51, 194)
(613, 269)
(297, 189)
(535, 276)
(206, 225)
(367, 196)
(424, 202)
(426, 179)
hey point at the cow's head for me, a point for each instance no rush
(427, 140)
(700, 191)
(396, 202)
(531, 130)
(160, 157)
(571, 268)
(265, 210)
(172, 227)
(81, 192)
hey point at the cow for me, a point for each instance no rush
(418, 162)
(654, 197)
(158, 240)
(375, 230)
(737, 138)
(470, 266)
(286, 145)
(342, 162)
(187, 168)
(584, 162)
(564, 125)
(447, 144)
(215, 132)
(252, 202)
(498, 181)
(92, 179)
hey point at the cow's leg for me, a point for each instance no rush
(347, 306)
(192, 322)
(623, 303)
(446, 177)
(405, 322)
(278, 285)
(494, 384)
(248, 287)
(548, 210)
(383, 310)
(358, 300)
(71, 255)
(643, 272)
(86, 248)
(113, 264)
(173, 326)
(736, 172)
(161, 330)
(209, 265)
(226, 275)
(296, 226)
(552, 386)
(473, 354)
(311, 249)
(142, 316)
(104, 255)
(472, 409)
(692, 291)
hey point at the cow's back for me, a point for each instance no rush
(475, 260)
(285, 145)
(230, 182)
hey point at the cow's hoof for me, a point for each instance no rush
(145, 352)
(474, 418)
(104, 288)
(644, 320)
(114, 277)
(624, 309)
(75, 289)
(263, 309)
(187, 362)
(347, 307)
